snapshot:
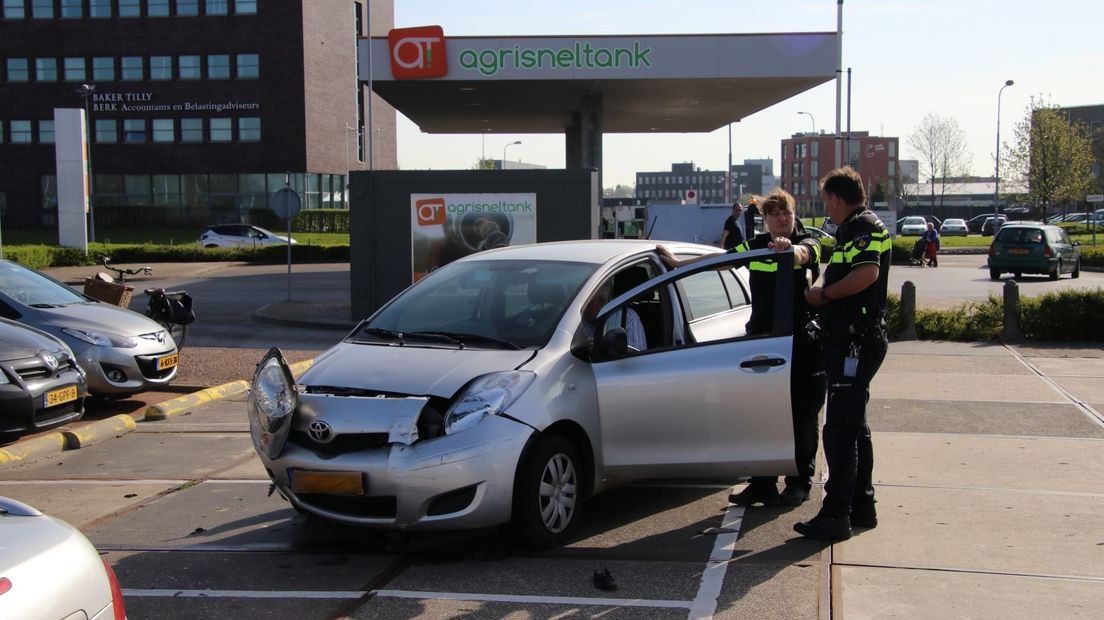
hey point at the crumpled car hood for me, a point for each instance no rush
(101, 317)
(407, 369)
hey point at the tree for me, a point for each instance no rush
(942, 150)
(1051, 156)
(485, 164)
(619, 191)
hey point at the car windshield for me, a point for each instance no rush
(915, 220)
(491, 303)
(954, 222)
(1020, 235)
(34, 289)
(265, 231)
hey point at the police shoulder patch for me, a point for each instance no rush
(862, 241)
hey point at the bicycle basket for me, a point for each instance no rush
(109, 292)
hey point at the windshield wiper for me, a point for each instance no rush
(438, 336)
(386, 334)
(461, 339)
(44, 306)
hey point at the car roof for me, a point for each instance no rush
(594, 251)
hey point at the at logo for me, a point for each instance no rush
(430, 211)
(417, 53)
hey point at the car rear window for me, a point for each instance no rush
(1020, 235)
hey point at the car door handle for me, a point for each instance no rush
(763, 362)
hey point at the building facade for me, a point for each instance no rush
(198, 110)
(806, 157)
(685, 182)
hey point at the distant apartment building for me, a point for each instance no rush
(806, 157)
(685, 182)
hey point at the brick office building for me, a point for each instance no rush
(806, 157)
(200, 106)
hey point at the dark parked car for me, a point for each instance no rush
(992, 224)
(1032, 247)
(41, 385)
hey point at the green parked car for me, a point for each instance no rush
(1033, 247)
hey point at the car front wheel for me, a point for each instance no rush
(1076, 273)
(546, 494)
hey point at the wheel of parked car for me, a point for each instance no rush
(546, 494)
(994, 274)
(1018, 275)
(1057, 271)
(1076, 273)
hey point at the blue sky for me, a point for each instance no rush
(910, 58)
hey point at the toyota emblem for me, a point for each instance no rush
(320, 431)
(51, 362)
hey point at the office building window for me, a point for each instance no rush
(18, 70)
(157, 8)
(133, 68)
(187, 7)
(816, 148)
(892, 170)
(893, 149)
(800, 150)
(161, 67)
(166, 190)
(216, 7)
(45, 132)
(103, 69)
(191, 130)
(21, 132)
(221, 130)
(814, 169)
(42, 9)
(218, 67)
(74, 70)
(134, 130)
(249, 66)
(99, 8)
(163, 130)
(189, 67)
(130, 8)
(138, 190)
(245, 7)
(46, 69)
(13, 9)
(107, 131)
(71, 9)
(249, 129)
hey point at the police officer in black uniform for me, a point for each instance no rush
(807, 380)
(852, 308)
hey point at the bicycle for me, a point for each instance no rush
(170, 309)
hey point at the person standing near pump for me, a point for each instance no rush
(852, 308)
(807, 380)
(732, 236)
(931, 245)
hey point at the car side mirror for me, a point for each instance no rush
(1076, 243)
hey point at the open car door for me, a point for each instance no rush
(712, 404)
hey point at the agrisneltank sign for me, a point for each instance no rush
(578, 55)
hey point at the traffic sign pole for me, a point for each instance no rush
(285, 203)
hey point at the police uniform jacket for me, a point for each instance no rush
(763, 283)
(861, 239)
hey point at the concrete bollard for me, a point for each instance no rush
(908, 312)
(1012, 331)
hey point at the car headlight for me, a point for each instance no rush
(489, 394)
(272, 400)
(100, 339)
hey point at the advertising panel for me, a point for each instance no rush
(445, 227)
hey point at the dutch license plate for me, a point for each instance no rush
(1018, 251)
(327, 482)
(168, 361)
(60, 396)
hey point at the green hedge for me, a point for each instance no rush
(42, 256)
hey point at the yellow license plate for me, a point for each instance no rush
(1018, 251)
(327, 482)
(168, 361)
(60, 396)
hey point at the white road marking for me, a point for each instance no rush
(705, 603)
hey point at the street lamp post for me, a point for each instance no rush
(504, 152)
(86, 91)
(996, 179)
(810, 115)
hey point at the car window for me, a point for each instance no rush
(915, 220)
(737, 294)
(1020, 235)
(705, 294)
(34, 289)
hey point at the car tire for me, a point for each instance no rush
(547, 497)
(1057, 271)
(210, 245)
(1076, 273)
(1018, 275)
(994, 274)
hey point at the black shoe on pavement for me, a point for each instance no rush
(766, 495)
(825, 528)
(793, 496)
(864, 516)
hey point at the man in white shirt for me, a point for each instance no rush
(625, 317)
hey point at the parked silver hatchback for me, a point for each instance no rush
(121, 352)
(503, 388)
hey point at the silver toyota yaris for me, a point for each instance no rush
(504, 387)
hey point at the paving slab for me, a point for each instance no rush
(82, 503)
(898, 363)
(139, 456)
(891, 593)
(930, 384)
(981, 417)
(1088, 390)
(1069, 367)
(994, 531)
(948, 348)
(771, 591)
(1049, 465)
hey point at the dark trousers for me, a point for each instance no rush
(807, 393)
(847, 447)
